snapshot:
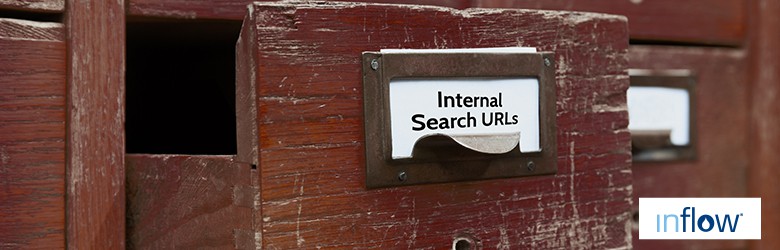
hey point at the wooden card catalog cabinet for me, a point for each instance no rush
(302, 121)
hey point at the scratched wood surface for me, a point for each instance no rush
(310, 148)
(236, 9)
(180, 201)
(722, 22)
(764, 130)
(32, 135)
(96, 142)
(34, 5)
(722, 125)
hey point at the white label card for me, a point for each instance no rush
(465, 109)
(660, 108)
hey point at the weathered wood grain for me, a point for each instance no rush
(246, 106)
(722, 122)
(763, 85)
(95, 129)
(180, 201)
(236, 9)
(49, 6)
(32, 135)
(310, 135)
(722, 22)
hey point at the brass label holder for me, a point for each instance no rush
(656, 146)
(439, 159)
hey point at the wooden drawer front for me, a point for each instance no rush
(722, 122)
(721, 22)
(304, 64)
(188, 201)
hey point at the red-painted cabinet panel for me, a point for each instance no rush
(41, 6)
(298, 177)
(32, 134)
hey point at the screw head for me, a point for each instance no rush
(531, 166)
(547, 62)
(374, 64)
(402, 176)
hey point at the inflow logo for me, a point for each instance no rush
(699, 218)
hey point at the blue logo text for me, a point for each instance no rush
(704, 223)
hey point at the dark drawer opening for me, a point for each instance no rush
(180, 82)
